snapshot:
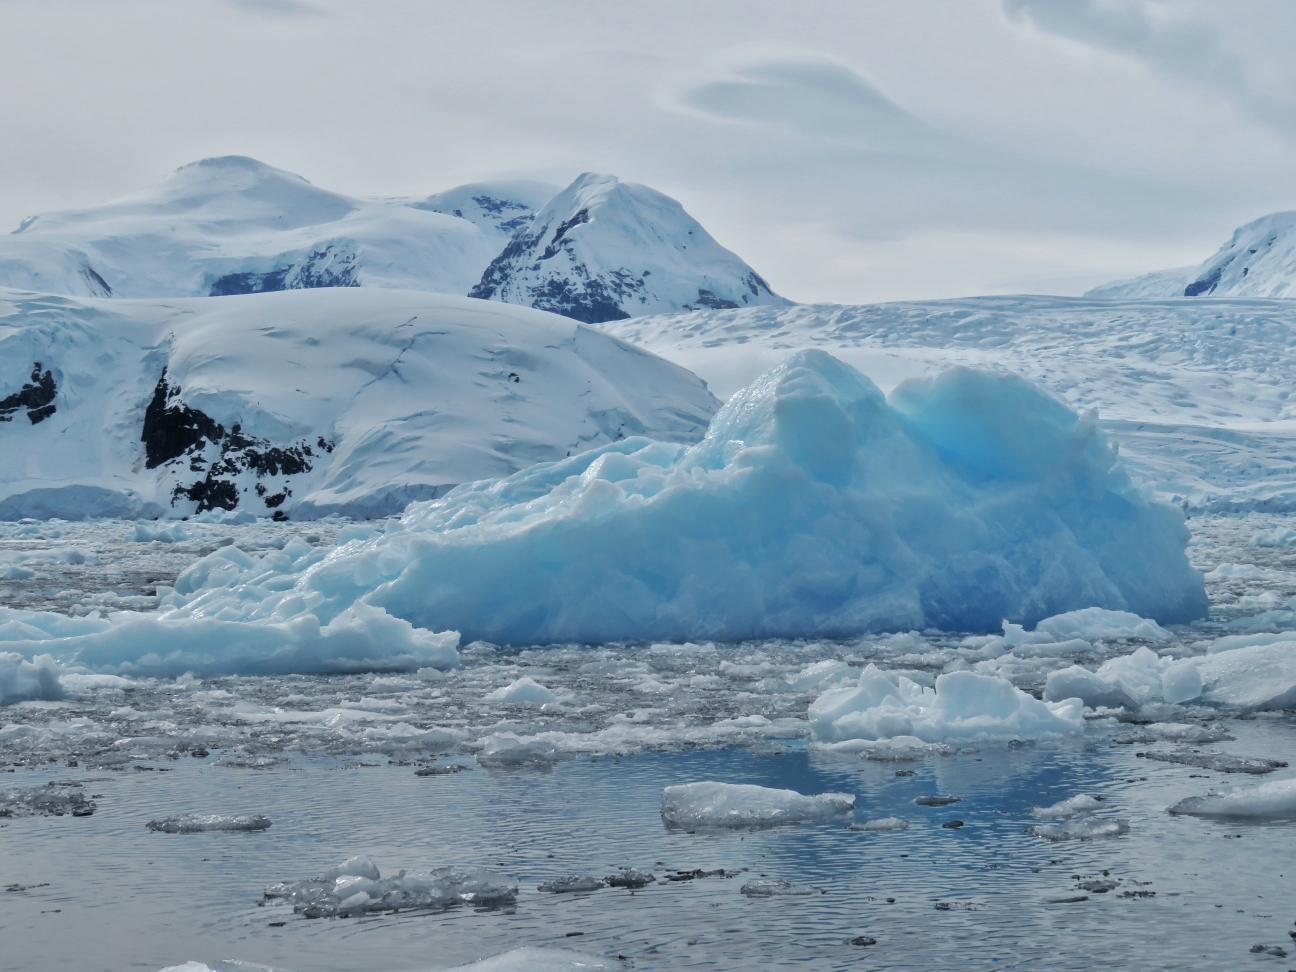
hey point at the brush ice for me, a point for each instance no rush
(1275, 800)
(744, 805)
(355, 887)
(962, 706)
(812, 507)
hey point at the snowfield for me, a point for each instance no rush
(1197, 394)
(307, 402)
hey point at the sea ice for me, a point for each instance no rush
(1082, 828)
(881, 825)
(355, 887)
(711, 804)
(1219, 762)
(524, 691)
(1275, 800)
(1255, 677)
(777, 889)
(963, 706)
(202, 823)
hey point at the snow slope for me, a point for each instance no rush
(1259, 261)
(306, 401)
(502, 207)
(235, 225)
(603, 250)
(1197, 394)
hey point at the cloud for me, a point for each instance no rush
(1166, 39)
(278, 8)
(810, 96)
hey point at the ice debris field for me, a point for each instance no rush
(922, 654)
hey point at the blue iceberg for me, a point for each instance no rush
(814, 506)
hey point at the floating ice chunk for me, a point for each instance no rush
(574, 883)
(170, 533)
(777, 889)
(1093, 624)
(630, 877)
(1181, 681)
(21, 679)
(1138, 674)
(1278, 537)
(961, 501)
(1258, 677)
(202, 823)
(1083, 828)
(250, 761)
(355, 887)
(503, 748)
(711, 804)
(1129, 681)
(881, 825)
(1081, 803)
(51, 800)
(1275, 800)
(936, 801)
(822, 675)
(1229, 642)
(1249, 572)
(963, 706)
(527, 959)
(524, 691)
(1219, 762)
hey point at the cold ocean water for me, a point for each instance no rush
(565, 778)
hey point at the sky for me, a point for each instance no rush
(854, 151)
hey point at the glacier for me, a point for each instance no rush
(306, 403)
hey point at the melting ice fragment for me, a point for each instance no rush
(881, 825)
(1083, 828)
(574, 883)
(777, 889)
(203, 823)
(1081, 803)
(710, 804)
(1275, 800)
(527, 959)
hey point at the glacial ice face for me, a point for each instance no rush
(812, 507)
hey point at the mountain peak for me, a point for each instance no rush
(604, 250)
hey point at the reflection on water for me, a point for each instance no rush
(122, 897)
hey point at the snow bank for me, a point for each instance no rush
(963, 706)
(744, 805)
(1275, 800)
(812, 507)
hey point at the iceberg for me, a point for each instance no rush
(813, 507)
(711, 804)
(964, 706)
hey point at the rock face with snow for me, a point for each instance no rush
(604, 250)
(1259, 261)
(306, 402)
(234, 225)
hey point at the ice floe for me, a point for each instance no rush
(51, 800)
(204, 823)
(964, 706)
(711, 804)
(882, 825)
(526, 959)
(777, 888)
(1275, 800)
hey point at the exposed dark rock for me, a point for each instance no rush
(172, 428)
(209, 494)
(37, 396)
(323, 268)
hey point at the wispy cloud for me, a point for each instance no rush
(1168, 38)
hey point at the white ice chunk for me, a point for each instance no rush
(1258, 677)
(524, 691)
(202, 823)
(1129, 681)
(1083, 828)
(21, 679)
(1081, 803)
(1095, 623)
(881, 825)
(1275, 800)
(711, 804)
(964, 706)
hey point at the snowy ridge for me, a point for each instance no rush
(1196, 395)
(306, 402)
(603, 250)
(233, 225)
(1258, 261)
(502, 207)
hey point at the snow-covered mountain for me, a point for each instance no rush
(604, 250)
(1197, 396)
(306, 402)
(1259, 261)
(501, 208)
(234, 225)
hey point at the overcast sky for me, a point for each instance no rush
(850, 151)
